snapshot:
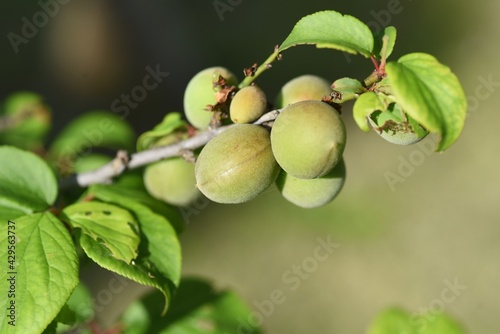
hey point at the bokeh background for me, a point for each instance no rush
(399, 245)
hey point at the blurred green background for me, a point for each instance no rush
(398, 245)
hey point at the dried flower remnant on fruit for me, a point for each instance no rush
(250, 71)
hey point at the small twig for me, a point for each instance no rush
(122, 161)
(259, 70)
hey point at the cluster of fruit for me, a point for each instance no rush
(300, 151)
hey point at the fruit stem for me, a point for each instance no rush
(263, 67)
(372, 79)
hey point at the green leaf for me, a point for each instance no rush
(46, 271)
(399, 321)
(159, 261)
(330, 29)
(112, 227)
(392, 321)
(441, 324)
(117, 192)
(65, 316)
(170, 123)
(80, 302)
(365, 105)
(349, 89)
(93, 129)
(430, 93)
(390, 34)
(29, 118)
(27, 184)
(197, 309)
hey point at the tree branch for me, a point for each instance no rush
(123, 161)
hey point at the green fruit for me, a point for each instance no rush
(303, 88)
(237, 165)
(308, 139)
(248, 105)
(200, 93)
(312, 193)
(172, 181)
(390, 126)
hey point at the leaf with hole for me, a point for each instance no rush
(111, 226)
(159, 251)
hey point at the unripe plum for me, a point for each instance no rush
(308, 139)
(200, 92)
(247, 105)
(396, 132)
(172, 181)
(237, 165)
(312, 193)
(302, 88)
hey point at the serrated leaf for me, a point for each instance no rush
(391, 34)
(159, 251)
(27, 184)
(349, 88)
(197, 309)
(170, 123)
(330, 29)
(365, 105)
(30, 120)
(108, 192)
(46, 267)
(430, 93)
(111, 226)
(93, 129)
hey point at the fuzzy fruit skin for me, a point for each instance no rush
(199, 93)
(302, 88)
(237, 165)
(172, 181)
(312, 193)
(308, 139)
(248, 104)
(398, 137)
